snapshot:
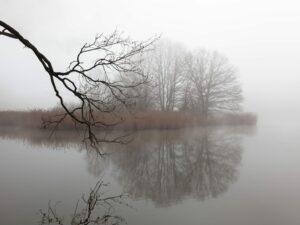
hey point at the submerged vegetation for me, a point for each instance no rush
(86, 210)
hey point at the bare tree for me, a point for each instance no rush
(166, 64)
(141, 97)
(211, 83)
(92, 69)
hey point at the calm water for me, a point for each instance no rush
(226, 176)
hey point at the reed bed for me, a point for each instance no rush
(129, 121)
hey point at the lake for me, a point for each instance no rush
(210, 176)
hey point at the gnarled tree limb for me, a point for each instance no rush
(114, 54)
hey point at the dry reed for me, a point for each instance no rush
(129, 121)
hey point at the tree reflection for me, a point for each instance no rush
(163, 166)
(169, 166)
(96, 165)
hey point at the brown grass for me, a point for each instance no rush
(126, 121)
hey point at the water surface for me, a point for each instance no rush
(227, 175)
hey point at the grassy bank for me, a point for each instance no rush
(135, 121)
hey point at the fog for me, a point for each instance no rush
(261, 38)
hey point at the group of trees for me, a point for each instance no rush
(114, 72)
(168, 78)
(198, 81)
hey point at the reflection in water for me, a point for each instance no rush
(42, 137)
(163, 166)
(96, 165)
(168, 166)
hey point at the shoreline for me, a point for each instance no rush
(129, 121)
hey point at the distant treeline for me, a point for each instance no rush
(177, 79)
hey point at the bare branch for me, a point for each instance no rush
(94, 64)
(89, 213)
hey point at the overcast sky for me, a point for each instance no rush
(260, 37)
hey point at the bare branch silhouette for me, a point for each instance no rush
(88, 214)
(91, 70)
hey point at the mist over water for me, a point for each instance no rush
(223, 175)
(259, 37)
(211, 175)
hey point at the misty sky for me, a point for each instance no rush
(260, 37)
